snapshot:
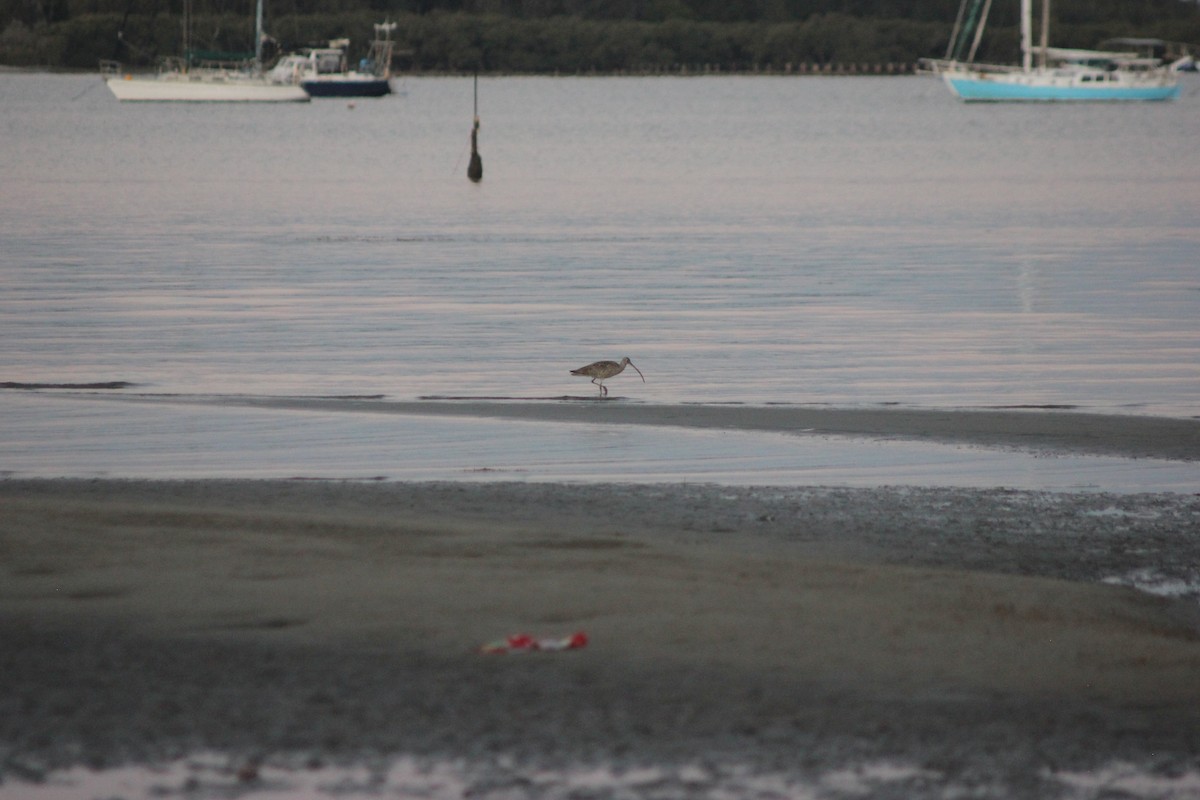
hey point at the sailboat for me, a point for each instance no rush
(178, 81)
(1060, 74)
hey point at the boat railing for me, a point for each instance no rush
(379, 60)
(116, 69)
(382, 48)
(171, 64)
(227, 70)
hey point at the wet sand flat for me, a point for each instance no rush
(1067, 431)
(777, 628)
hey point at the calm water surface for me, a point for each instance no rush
(851, 241)
(848, 241)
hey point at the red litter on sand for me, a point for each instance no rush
(524, 643)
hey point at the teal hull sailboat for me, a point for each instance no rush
(1058, 75)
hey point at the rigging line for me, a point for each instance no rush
(133, 48)
(89, 87)
(459, 161)
(955, 32)
(475, 167)
(970, 25)
(987, 7)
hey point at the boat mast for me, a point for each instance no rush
(187, 35)
(970, 22)
(950, 49)
(1045, 33)
(987, 9)
(258, 35)
(1027, 35)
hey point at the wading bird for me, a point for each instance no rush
(603, 370)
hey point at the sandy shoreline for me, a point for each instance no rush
(969, 632)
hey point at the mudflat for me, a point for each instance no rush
(1063, 431)
(984, 635)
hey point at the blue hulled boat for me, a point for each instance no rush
(326, 72)
(1058, 75)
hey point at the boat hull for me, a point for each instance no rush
(982, 87)
(371, 87)
(189, 89)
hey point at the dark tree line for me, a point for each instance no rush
(568, 36)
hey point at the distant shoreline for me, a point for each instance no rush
(807, 70)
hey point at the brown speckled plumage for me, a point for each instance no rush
(601, 371)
